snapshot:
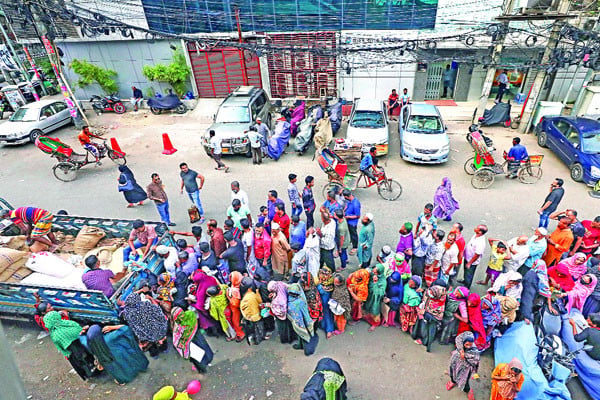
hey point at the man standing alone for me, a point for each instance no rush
(188, 180)
(308, 200)
(502, 85)
(551, 202)
(156, 192)
(216, 151)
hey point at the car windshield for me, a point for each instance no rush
(368, 119)
(24, 114)
(591, 142)
(425, 124)
(233, 114)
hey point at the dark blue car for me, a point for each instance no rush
(576, 140)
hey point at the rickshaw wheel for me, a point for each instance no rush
(389, 190)
(470, 166)
(483, 178)
(65, 171)
(331, 185)
(117, 158)
(530, 174)
(353, 164)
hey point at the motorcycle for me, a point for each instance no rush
(107, 103)
(168, 102)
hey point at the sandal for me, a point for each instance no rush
(450, 385)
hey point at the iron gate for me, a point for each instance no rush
(303, 73)
(218, 72)
(434, 84)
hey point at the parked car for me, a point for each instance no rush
(34, 120)
(368, 125)
(576, 141)
(236, 113)
(423, 137)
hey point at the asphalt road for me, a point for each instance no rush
(385, 364)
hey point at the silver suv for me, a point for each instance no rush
(236, 113)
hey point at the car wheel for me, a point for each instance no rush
(577, 172)
(542, 138)
(34, 135)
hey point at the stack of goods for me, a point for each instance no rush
(51, 270)
(12, 265)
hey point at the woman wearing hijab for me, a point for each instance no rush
(203, 282)
(398, 264)
(444, 203)
(234, 297)
(278, 293)
(326, 383)
(507, 380)
(325, 289)
(302, 322)
(455, 311)
(372, 308)
(464, 362)
(592, 304)
(181, 284)
(431, 312)
(576, 265)
(584, 287)
(312, 296)
(475, 322)
(358, 287)
(251, 311)
(491, 311)
(508, 307)
(65, 336)
(560, 278)
(169, 393)
(535, 283)
(411, 301)
(394, 292)
(218, 308)
(189, 341)
(117, 351)
(509, 284)
(132, 191)
(261, 280)
(148, 323)
(342, 306)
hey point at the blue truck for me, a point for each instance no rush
(18, 300)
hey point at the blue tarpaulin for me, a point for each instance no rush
(519, 341)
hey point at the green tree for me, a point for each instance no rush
(175, 74)
(90, 73)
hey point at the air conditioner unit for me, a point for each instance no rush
(536, 5)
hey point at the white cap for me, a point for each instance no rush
(386, 249)
(543, 231)
(369, 216)
(162, 249)
(258, 119)
(275, 225)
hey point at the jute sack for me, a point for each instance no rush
(14, 242)
(19, 274)
(87, 238)
(104, 254)
(10, 261)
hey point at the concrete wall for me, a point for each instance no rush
(476, 83)
(125, 57)
(376, 82)
(565, 77)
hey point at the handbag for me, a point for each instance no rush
(125, 184)
(194, 214)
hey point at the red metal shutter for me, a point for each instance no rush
(218, 72)
(302, 73)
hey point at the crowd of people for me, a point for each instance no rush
(256, 276)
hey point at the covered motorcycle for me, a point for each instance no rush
(279, 140)
(168, 102)
(323, 134)
(305, 130)
(297, 117)
(499, 114)
(335, 116)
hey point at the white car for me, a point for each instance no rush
(423, 137)
(368, 125)
(34, 120)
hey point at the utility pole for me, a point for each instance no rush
(542, 74)
(507, 8)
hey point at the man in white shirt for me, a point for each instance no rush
(237, 193)
(502, 85)
(519, 251)
(169, 256)
(450, 258)
(421, 245)
(327, 243)
(473, 253)
(216, 151)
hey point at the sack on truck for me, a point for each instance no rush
(87, 239)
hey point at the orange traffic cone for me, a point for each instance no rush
(115, 146)
(169, 149)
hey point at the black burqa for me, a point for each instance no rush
(313, 390)
(136, 194)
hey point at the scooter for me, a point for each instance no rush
(107, 103)
(168, 102)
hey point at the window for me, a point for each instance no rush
(254, 109)
(260, 102)
(58, 107)
(573, 138)
(562, 126)
(47, 112)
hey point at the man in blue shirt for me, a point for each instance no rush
(331, 203)
(516, 154)
(352, 214)
(298, 231)
(367, 164)
(308, 200)
(272, 200)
